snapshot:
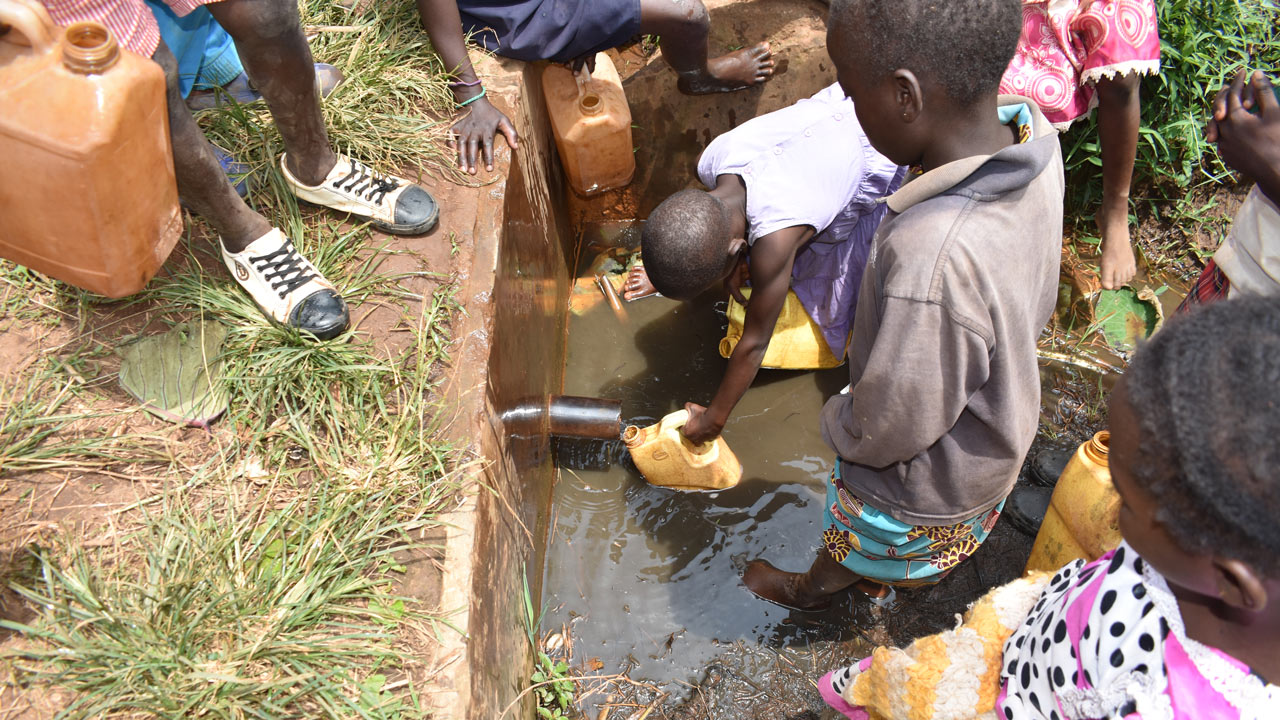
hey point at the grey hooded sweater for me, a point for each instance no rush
(962, 277)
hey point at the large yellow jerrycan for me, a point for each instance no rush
(592, 125)
(797, 342)
(1083, 520)
(667, 458)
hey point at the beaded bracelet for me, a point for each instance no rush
(460, 83)
(472, 99)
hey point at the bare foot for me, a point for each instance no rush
(637, 285)
(872, 589)
(733, 71)
(1117, 265)
(781, 588)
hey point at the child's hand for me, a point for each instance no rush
(588, 61)
(473, 135)
(1249, 143)
(700, 428)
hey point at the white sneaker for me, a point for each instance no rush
(286, 286)
(394, 204)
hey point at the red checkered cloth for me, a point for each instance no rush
(130, 21)
(1212, 285)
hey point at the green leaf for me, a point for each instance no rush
(1124, 318)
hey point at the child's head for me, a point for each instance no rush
(910, 65)
(687, 244)
(1195, 450)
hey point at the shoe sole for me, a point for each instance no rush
(1024, 525)
(327, 334)
(389, 228)
(419, 229)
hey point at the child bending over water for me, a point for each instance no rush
(1183, 619)
(961, 278)
(797, 191)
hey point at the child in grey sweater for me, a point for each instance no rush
(962, 277)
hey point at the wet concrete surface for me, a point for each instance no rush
(646, 579)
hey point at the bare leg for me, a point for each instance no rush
(317, 308)
(683, 26)
(276, 57)
(201, 181)
(1119, 114)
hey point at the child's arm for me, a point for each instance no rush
(476, 130)
(1119, 115)
(1248, 143)
(771, 258)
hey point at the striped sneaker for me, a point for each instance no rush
(394, 204)
(286, 287)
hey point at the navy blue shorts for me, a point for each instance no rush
(556, 30)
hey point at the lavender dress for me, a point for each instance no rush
(810, 164)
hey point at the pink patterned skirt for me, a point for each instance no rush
(1068, 45)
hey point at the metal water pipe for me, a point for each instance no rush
(566, 416)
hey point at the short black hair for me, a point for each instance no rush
(1206, 393)
(685, 243)
(963, 46)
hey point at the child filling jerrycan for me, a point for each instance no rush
(666, 457)
(87, 185)
(592, 124)
(1083, 520)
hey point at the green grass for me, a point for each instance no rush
(1202, 43)
(249, 596)
(271, 612)
(256, 579)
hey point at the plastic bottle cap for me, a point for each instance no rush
(89, 48)
(631, 436)
(590, 104)
(1098, 447)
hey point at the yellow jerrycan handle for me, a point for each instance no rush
(673, 422)
(32, 22)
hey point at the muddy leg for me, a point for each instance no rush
(276, 57)
(201, 181)
(810, 590)
(683, 26)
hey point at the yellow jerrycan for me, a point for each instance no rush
(666, 458)
(592, 125)
(797, 342)
(1083, 520)
(87, 185)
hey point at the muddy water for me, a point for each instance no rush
(648, 578)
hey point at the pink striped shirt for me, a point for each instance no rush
(130, 21)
